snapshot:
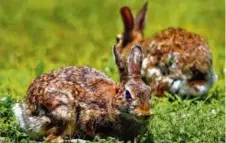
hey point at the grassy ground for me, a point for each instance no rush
(36, 37)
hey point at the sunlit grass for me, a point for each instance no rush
(36, 37)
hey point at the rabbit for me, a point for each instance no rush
(84, 102)
(175, 60)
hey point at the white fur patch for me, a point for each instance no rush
(154, 72)
(167, 80)
(32, 124)
(77, 141)
(62, 112)
(176, 86)
(173, 67)
(136, 57)
(18, 112)
(63, 98)
(184, 89)
(201, 89)
(134, 103)
(36, 123)
(145, 63)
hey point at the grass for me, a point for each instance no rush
(36, 37)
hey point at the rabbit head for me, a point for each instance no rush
(134, 94)
(133, 29)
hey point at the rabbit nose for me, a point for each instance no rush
(145, 111)
(145, 107)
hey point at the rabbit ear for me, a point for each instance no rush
(127, 18)
(141, 18)
(128, 21)
(135, 61)
(121, 64)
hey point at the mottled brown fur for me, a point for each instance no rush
(175, 52)
(82, 101)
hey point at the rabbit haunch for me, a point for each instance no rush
(175, 60)
(72, 86)
(82, 101)
(62, 89)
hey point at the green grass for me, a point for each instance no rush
(36, 37)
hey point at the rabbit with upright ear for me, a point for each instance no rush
(82, 101)
(175, 60)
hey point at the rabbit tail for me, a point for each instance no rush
(35, 125)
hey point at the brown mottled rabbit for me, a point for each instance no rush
(175, 60)
(82, 101)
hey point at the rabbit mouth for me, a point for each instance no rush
(132, 115)
(131, 112)
(142, 117)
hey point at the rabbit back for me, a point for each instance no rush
(191, 49)
(177, 55)
(72, 98)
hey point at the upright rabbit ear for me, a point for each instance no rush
(121, 64)
(127, 18)
(141, 18)
(128, 22)
(135, 61)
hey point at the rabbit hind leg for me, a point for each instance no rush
(56, 132)
(61, 112)
(198, 87)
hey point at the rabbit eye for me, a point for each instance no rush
(118, 38)
(128, 95)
